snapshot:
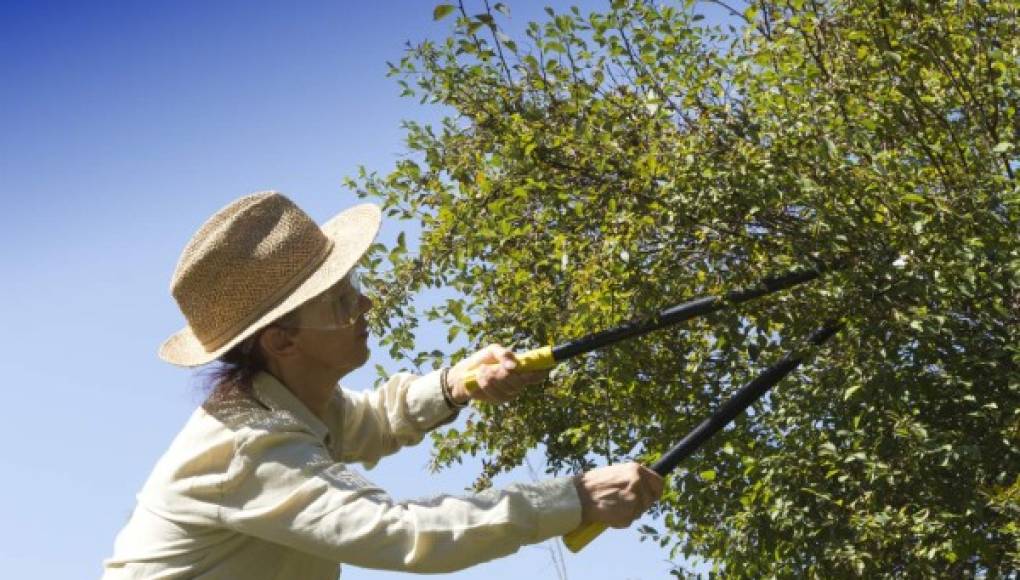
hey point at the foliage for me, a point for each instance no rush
(603, 165)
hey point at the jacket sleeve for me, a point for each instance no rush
(368, 425)
(284, 487)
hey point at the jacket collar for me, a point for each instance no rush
(275, 395)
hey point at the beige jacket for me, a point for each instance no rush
(259, 488)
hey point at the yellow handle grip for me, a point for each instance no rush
(539, 359)
(582, 536)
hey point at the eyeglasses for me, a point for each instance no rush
(343, 305)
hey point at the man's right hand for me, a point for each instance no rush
(618, 494)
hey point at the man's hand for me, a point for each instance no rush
(617, 495)
(497, 380)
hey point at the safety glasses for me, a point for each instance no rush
(338, 307)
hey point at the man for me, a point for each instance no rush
(257, 486)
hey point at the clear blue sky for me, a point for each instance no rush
(124, 126)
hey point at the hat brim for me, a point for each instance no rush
(352, 232)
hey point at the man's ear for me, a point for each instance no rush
(278, 342)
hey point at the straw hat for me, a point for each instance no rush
(254, 261)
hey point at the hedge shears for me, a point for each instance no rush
(548, 357)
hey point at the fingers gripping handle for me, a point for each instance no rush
(583, 535)
(539, 359)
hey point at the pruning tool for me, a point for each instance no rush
(549, 356)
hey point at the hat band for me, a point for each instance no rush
(224, 336)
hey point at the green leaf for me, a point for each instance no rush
(452, 334)
(1002, 147)
(442, 11)
(707, 475)
(555, 47)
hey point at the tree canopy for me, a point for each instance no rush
(602, 165)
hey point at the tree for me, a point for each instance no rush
(604, 165)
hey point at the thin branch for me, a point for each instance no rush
(499, 46)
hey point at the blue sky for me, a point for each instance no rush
(125, 125)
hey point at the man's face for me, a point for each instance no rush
(332, 330)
